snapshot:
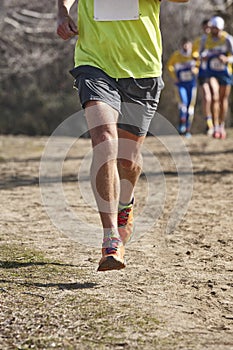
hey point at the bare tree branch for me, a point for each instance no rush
(39, 15)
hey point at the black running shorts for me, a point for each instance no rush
(136, 100)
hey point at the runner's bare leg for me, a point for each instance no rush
(129, 163)
(224, 100)
(101, 119)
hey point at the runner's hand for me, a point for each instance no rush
(66, 27)
(223, 59)
(195, 70)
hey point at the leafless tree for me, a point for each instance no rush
(29, 44)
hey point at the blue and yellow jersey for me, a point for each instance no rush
(182, 67)
(210, 50)
(197, 43)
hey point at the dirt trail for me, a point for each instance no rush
(177, 289)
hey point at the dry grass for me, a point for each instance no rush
(42, 307)
(176, 292)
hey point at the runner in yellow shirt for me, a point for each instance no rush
(183, 70)
(203, 80)
(216, 53)
(118, 76)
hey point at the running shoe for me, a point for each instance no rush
(112, 255)
(188, 135)
(223, 134)
(216, 135)
(126, 222)
(182, 129)
(210, 132)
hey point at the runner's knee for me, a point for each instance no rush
(191, 110)
(128, 164)
(183, 108)
(103, 133)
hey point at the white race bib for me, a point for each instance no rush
(186, 76)
(217, 65)
(116, 10)
(204, 65)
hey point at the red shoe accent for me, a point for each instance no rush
(216, 135)
(223, 134)
(126, 223)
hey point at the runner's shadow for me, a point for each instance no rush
(62, 286)
(18, 264)
(66, 286)
(9, 181)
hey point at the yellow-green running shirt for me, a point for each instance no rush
(122, 48)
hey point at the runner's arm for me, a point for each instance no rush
(66, 28)
(229, 57)
(178, 0)
(230, 49)
(171, 67)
